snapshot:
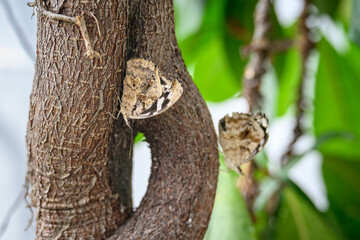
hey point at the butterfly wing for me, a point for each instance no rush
(242, 136)
(171, 92)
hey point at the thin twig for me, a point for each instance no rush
(255, 69)
(249, 187)
(97, 24)
(55, 16)
(273, 47)
(253, 73)
(18, 30)
(306, 46)
(79, 21)
(84, 32)
(12, 210)
(28, 204)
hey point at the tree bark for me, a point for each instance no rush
(70, 127)
(183, 142)
(79, 167)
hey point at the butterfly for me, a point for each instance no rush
(146, 93)
(241, 137)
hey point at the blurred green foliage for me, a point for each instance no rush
(211, 43)
(230, 219)
(298, 219)
(354, 25)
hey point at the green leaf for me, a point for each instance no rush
(268, 187)
(236, 63)
(214, 17)
(289, 78)
(188, 17)
(229, 219)
(342, 182)
(139, 137)
(299, 220)
(213, 23)
(213, 54)
(240, 18)
(327, 6)
(213, 75)
(337, 99)
(355, 22)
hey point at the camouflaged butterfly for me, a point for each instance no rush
(242, 136)
(146, 92)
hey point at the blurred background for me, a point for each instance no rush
(305, 185)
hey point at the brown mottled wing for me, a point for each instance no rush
(170, 94)
(146, 93)
(141, 87)
(242, 136)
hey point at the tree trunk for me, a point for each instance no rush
(70, 126)
(79, 166)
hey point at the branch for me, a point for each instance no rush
(79, 21)
(182, 185)
(306, 46)
(249, 187)
(272, 47)
(255, 69)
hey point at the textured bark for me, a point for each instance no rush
(79, 165)
(70, 127)
(183, 143)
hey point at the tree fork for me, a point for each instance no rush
(182, 185)
(79, 168)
